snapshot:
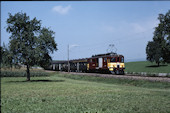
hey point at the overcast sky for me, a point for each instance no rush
(92, 26)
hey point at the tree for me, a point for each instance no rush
(46, 44)
(153, 52)
(158, 50)
(6, 59)
(29, 43)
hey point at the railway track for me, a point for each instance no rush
(127, 76)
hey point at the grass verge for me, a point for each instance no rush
(129, 82)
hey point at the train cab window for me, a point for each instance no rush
(105, 59)
(93, 60)
(118, 59)
(90, 60)
(122, 59)
(97, 62)
(113, 59)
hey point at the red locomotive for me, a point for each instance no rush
(103, 63)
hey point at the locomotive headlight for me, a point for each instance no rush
(110, 68)
(112, 65)
(123, 65)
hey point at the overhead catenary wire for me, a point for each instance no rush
(96, 46)
(128, 38)
(106, 43)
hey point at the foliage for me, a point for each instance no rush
(59, 93)
(153, 51)
(6, 57)
(158, 50)
(46, 45)
(30, 44)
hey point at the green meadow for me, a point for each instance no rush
(146, 66)
(66, 93)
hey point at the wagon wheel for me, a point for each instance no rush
(112, 72)
(117, 72)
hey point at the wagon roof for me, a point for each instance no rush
(85, 59)
(106, 55)
(58, 61)
(79, 60)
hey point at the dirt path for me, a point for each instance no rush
(127, 76)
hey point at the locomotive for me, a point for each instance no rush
(102, 63)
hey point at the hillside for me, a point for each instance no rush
(146, 66)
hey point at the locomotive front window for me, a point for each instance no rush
(113, 59)
(105, 59)
(118, 59)
(122, 59)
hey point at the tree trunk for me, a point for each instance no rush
(11, 67)
(28, 73)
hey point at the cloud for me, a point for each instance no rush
(137, 28)
(62, 10)
(109, 28)
(124, 28)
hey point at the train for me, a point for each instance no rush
(101, 63)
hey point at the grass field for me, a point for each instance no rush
(146, 66)
(60, 93)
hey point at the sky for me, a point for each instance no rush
(89, 27)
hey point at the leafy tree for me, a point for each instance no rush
(6, 58)
(46, 45)
(158, 50)
(29, 43)
(153, 52)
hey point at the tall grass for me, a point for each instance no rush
(22, 73)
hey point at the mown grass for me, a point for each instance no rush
(61, 93)
(146, 66)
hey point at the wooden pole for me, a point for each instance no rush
(68, 60)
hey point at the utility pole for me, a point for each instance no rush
(69, 47)
(68, 60)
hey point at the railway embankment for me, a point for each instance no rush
(126, 76)
(149, 74)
